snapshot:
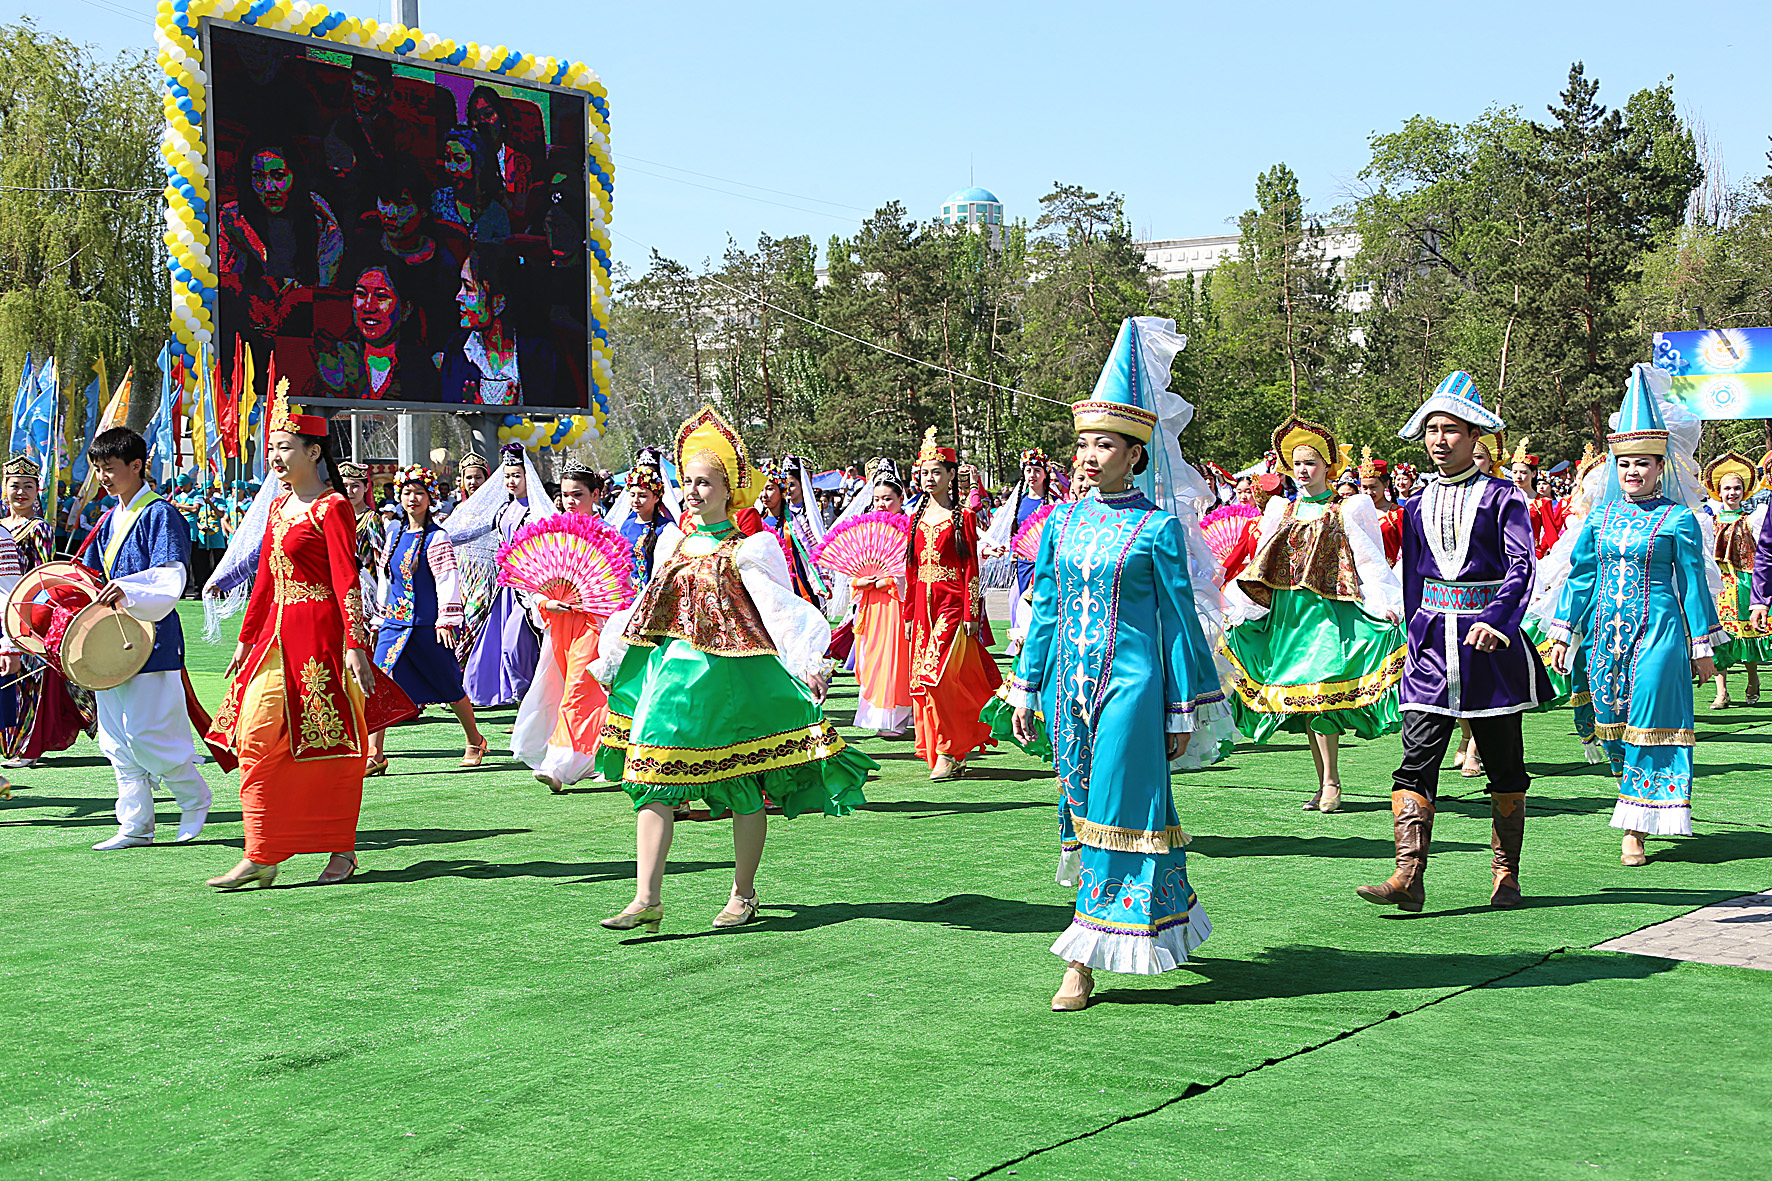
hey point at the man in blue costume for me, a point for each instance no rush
(1468, 567)
(143, 550)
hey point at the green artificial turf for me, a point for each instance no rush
(455, 1011)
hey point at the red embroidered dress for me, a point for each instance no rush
(952, 674)
(292, 714)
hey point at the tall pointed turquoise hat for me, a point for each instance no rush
(1124, 400)
(1641, 428)
(1457, 396)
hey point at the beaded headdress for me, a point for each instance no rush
(352, 471)
(574, 470)
(285, 418)
(933, 450)
(23, 465)
(1035, 456)
(1371, 468)
(473, 460)
(511, 455)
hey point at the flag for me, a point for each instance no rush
(208, 363)
(163, 430)
(52, 463)
(199, 428)
(227, 405)
(116, 413)
(95, 393)
(31, 414)
(21, 403)
(245, 381)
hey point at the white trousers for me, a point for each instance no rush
(144, 730)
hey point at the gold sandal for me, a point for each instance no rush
(475, 753)
(747, 910)
(647, 916)
(1074, 998)
(376, 766)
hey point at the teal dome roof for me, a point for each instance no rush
(973, 194)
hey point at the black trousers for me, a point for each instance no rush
(1426, 735)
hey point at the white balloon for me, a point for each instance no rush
(202, 335)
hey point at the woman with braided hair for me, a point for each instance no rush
(952, 674)
(419, 603)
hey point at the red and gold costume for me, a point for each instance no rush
(292, 714)
(1547, 514)
(952, 673)
(1390, 520)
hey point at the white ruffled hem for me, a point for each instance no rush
(1673, 821)
(1070, 867)
(1595, 752)
(565, 764)
(1134, 955)
(869, 716)
(1213, 727)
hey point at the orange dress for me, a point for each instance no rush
(303, 746)
(952, 673)
(883, 665)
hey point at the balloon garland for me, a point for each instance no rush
(190, 256)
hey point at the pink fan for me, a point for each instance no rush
(869, 546)
(1026, 545)
(572, 557)
(1225, 525)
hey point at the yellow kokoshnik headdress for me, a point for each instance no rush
(1729, 463)
(708, 437)
(1296, 432)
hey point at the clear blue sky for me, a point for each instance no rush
(843, 107)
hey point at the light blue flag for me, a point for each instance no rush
(160, 432)
(39, 417)
(21, 406)
(211, 428)
(95, 394)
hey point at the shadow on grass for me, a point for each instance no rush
(586, 872)
(1302, 971)
(405, 838)
(950, 808)
(1713, 848)
(1291, 846)
(1610, 896)
(968, 912)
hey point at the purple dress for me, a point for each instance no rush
(1467, 559)
(502, 661)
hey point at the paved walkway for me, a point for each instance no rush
(1737, 932)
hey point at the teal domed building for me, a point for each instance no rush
(974, 210)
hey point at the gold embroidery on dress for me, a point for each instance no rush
(926, 662)
(1312, 555)
(295, 591)
(701, 600)
(322, 727)
(355, 631)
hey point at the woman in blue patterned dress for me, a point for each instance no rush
(1638, 605)
(1118, 665)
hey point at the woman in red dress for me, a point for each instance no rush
(295, 709)
(952, 673)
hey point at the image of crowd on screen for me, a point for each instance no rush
(397, 232)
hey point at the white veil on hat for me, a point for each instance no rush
(473, 527)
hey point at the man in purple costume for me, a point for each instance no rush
(1468, 567)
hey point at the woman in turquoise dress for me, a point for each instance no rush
(1637, 603)
(716, 676)
(1119, 669)
(1316, 645)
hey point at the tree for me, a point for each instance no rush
(82, 266)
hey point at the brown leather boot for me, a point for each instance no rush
(1412, 815)
(1507, 831)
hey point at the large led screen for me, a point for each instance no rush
(394, 232)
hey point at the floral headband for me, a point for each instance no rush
(418, 474)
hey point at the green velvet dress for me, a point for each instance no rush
(708, 695)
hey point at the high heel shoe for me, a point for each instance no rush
(1331, 798)
(647, 916)
(1636, 856)
(328, 878)
(228, 882)
(377, 765)
(747, 910)
(1073, 995)
(475, 753)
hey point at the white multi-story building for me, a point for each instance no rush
(1177, 258)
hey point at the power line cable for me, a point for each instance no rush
(743, 184)
(742, 196)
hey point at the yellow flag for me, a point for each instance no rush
(199, 429)
(248, 399)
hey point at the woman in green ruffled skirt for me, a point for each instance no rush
(716, 677)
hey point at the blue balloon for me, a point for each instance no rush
(511, 420)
